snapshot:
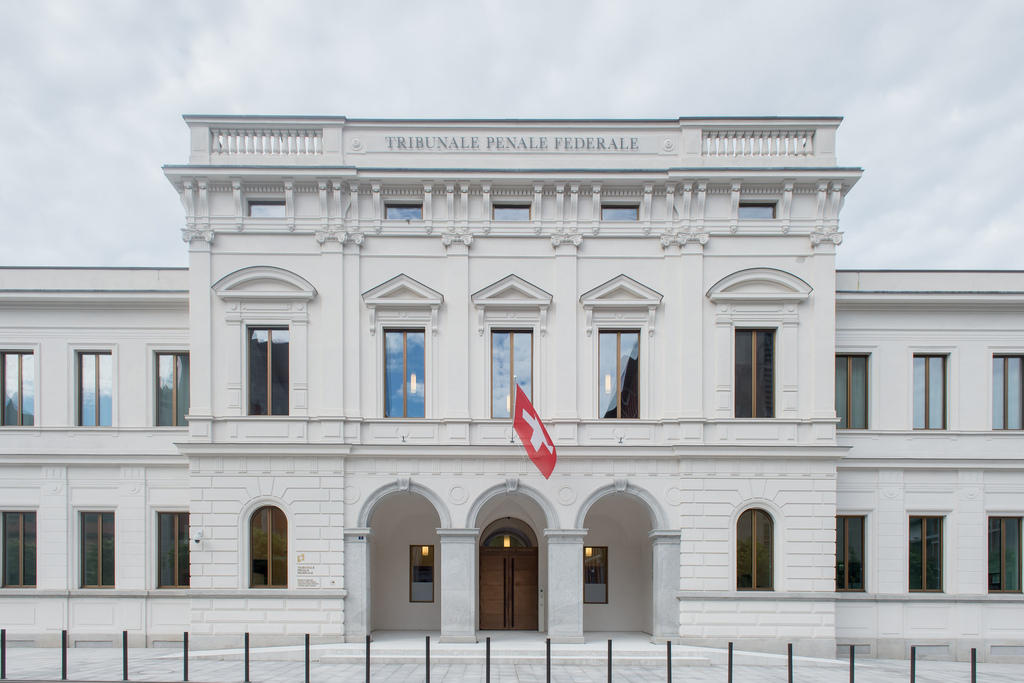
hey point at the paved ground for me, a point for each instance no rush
(335, 663)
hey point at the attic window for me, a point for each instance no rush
(403, 212)
(512, 212)
(757, 210)
(620, 212)
(266, 208)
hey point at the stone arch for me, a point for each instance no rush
(777, 519)
(658, 518)
(403, 485)
(550, 516)
(244, 541)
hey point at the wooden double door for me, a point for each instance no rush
(508, 589)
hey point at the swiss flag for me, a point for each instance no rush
(531, 432)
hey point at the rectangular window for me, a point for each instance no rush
(95, 389)
(172, 387)
(268, 371)
(421, 573)
(511, 361)
(17, 377)
(403, 212)
(756, 210)
(852, 391)
(404, 385)
(511, 212)
(925, 554)
(620, 213)
(849, 553)
(1004, 554)
(755, 373)
(595, 575)
(172, 550)
(19, 551)
(619, 374)
(929, 392)
(1007, 393)
(97, 549)
(266, 208)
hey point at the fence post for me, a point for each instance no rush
(307, 658)
(668, 658)
(3, 653)
(367, 658)
(851, 662)
(124, 655)
(487, 667)
(609, 660)
(64, 655)
(974, 665)
(184, 656)
(730, 661)
(913, 664)
(789, 658)
(547, 658)
(428, 660)
(246, 657)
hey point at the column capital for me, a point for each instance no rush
(565, 535)
(458, 535)
(357, 534)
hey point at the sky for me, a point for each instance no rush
(92, 94)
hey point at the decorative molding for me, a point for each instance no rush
(403, 293)
(512, 293)
(618, 294)
(262, 283)
(511, 484)
(759, 284)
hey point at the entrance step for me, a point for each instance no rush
(513, 657)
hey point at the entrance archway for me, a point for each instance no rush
(508, 576)
(405, 564)
(617, 565)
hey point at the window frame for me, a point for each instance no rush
(21, 549)
(405, 359)
(174, 387)
(79, 357)
(272, 509)
(625, 205)
(927, 393)
(607, 579)
(1005, 358)
(755, 511)
(177, 514)
(846, 564)
(512, 367)
(403, 205)
(754, 372)
(924, 553)
(1002, 553)
(269, 201)
(99, 550)
(413, 549)
(618, 332)
(269, 329)
(520, 206)
(774, 206)
(849, 390)
(20, 353)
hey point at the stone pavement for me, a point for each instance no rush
(399, 658)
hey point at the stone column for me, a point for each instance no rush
(458, 585)
(665, 584)
(357, 584)
(565, 584)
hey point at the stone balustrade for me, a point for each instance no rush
(757, 142)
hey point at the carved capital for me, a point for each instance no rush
(194, 234)
(566, 237)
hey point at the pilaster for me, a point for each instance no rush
(565, 584)
(357, 584)
(458, 585)
(664, 584)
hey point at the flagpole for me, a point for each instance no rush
(512, 413)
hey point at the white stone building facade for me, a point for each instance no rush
(622, 271)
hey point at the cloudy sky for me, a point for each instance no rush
(92, 93)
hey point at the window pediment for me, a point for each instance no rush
(512, 293)
(621, 294)
(403, 293)
(759, 284)
(263, 283)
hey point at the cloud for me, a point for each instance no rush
(92, 95)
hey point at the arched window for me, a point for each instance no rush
(268, 548)
(754, 551)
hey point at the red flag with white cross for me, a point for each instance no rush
(531, 432)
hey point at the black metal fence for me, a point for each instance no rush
(487, 660)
